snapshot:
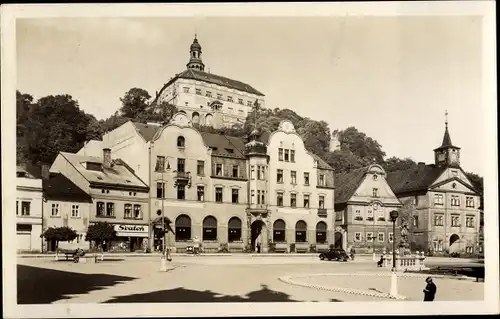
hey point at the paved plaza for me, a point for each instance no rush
(220, 279)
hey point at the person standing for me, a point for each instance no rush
(430, 290)
(258, 243)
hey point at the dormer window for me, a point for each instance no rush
(181, 141)
(229, 151)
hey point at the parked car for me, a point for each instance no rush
(337, 254)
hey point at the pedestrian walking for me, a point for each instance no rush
(353, 252)
(430, 290)
(196, 245)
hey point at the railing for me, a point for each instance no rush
(412, 262)
(182, 175)
(322, 212)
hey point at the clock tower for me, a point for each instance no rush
(447, 154)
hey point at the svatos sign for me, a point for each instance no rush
(131, 228)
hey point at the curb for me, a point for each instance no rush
(352, 291)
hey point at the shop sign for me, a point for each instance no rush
(131, 228)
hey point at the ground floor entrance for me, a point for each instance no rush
(259, 236)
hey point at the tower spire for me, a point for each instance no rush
(446, 119)
(195, 61)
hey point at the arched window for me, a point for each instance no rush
(195, 117)
(301, 232)
(279, 231)
(210, 228)
(321, 233)
(181, 141)
(234, 229)
(208, 119)
(182, 228)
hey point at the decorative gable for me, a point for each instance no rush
(453, 185)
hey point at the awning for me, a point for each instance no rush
(158, 222)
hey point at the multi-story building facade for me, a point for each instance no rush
(207, 98)
(29, 208)
(363, 201)
(65, 205)
(445, 205)
(118, 196)
(224, 190)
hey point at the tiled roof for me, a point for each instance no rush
(346, 184)
(119, 174)
(147, 131)
(414, 179)
(223, 144)
(211, 78)
(59, 187)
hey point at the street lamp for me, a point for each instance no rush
(394, 280)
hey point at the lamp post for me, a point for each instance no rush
(394, 280)
(163, 264)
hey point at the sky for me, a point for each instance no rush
(391, 77)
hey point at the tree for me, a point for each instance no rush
(100, 232)
(24, 103)
(393, 164)
(478, 183)
(343, 160)
(54, 123)
(58, 234)
(364, 147)
(134, 103)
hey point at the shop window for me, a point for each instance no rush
(301, 232)
(183, 228)
(321, 232)
(210, 228)
(234, 230)
(279, 231)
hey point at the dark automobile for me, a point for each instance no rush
(337, 254)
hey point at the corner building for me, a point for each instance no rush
(226, 190)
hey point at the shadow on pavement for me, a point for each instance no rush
(41, 286)
(188, 295)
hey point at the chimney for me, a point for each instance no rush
(45, 171)
(106, 158)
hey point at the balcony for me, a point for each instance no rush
(322, 212)
(182, 178)
(257, 208)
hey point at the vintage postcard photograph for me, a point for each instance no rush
(249, 159)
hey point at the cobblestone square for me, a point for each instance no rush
(217, 279)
